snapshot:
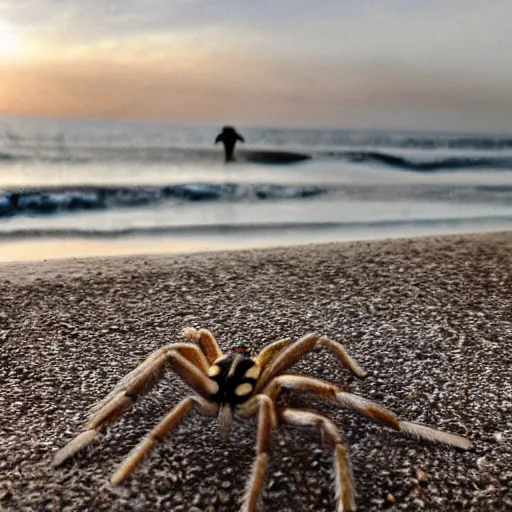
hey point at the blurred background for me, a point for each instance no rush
(361, 120)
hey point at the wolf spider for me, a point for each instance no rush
(240, 386)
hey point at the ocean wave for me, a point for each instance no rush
(71, 199)
(83, 154)
(206, 157)
(455, 142)
(252, 228)
(434, 165)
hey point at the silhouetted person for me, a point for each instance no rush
(228, 136)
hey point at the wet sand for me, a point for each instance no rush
(429, 318)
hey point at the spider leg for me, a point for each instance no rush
(370, 409)
(139, 382)
(151, 369)
(206, 342)
(332, 439)
(166, 425)
(271, 351)
(266, 423)
(252, 407)
(297, 350)
(382, 415)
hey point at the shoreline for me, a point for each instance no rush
(428, 317)
(39, 249)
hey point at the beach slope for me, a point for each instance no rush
(429, 318)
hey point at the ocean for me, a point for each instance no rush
(97, 187)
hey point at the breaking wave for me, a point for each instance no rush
(431, 165)
(203, 156)
(69, 199)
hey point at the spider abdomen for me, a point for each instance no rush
(236, 375)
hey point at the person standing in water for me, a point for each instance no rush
(228, 136)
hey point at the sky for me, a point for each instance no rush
(387, 64)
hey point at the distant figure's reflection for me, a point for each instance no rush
(228, 136)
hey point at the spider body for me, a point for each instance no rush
(236, 375)
(238, 385)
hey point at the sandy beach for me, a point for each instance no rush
(429, 318)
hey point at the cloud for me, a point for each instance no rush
(99, 18)
(466, 37)
(271, 61)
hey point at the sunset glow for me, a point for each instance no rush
(385, 64)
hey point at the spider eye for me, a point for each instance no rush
(241, 350)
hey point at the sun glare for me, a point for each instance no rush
(9, 42)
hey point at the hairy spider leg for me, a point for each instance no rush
(266, 419)
(252, 407)
(333, 440)
(270, 352)
(138, 383)
(166, 425)
(206, 342)
(370, 409)
(150, 371)
(297, 350)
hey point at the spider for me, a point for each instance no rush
(236, 385)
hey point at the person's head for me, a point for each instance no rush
(228, 130)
